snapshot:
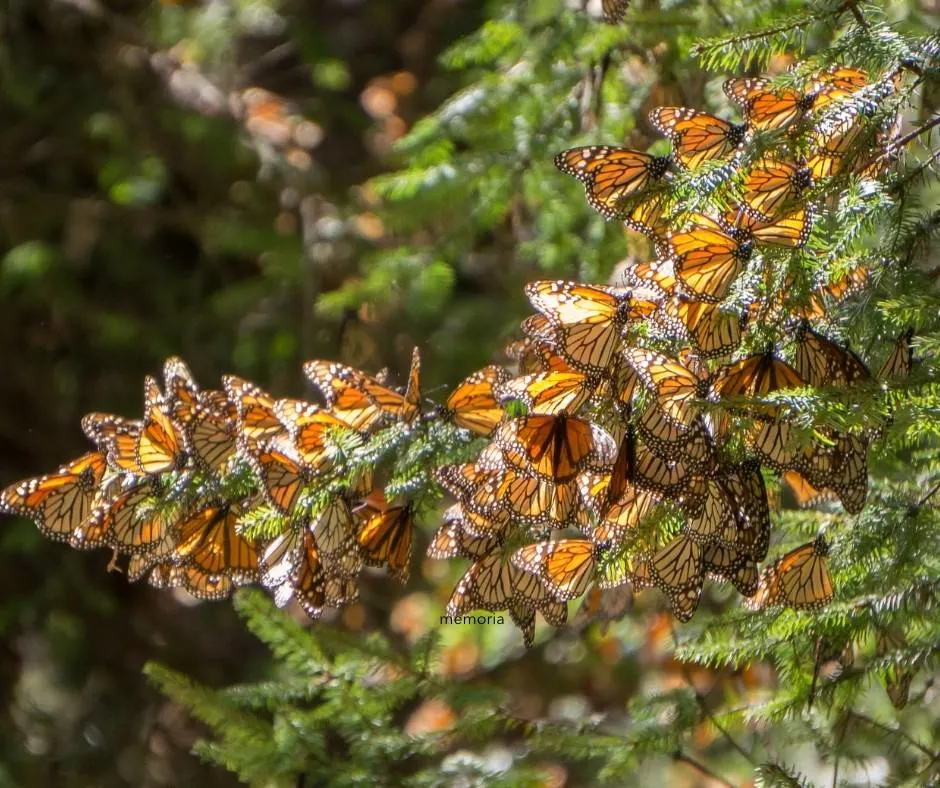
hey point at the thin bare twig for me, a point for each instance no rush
(681, 757)
(896, 731)
(898, 144)
(930, 494)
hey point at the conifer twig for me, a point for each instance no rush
(898, 144)
(930, 494)
(896, 731)
(856, 12)
(681, 757)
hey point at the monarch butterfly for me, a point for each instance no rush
(774, 187)
(845, 143)
(548, 393)
(745, 488)
(58, 502)
(708, 259)
(623, 473)
(731, 565)
(659, 475)
(766, 107)
(309, 428)
(191, 579)
(775, 443)
(657, 275)
(254, 407)
(277, 562)
(788, 230)
(451, 540)
(716, 518)
(208, 419)
(803, 492)
(385, 537)
(835, 292)
(586, 321)
(678, 571)
(473, 406)
(620, 383)
(555, 447)
(495, 584)
(616, 515)
(689, 444)
(116, 437)
(307, 581)
(282, 475)
(756, 375)
(565, 567)
(899, 361)
(614, 10)
(123, 524)
(889, 641)
(489, 584)
(209, 543)
(535, 501)
(161, 445)
(842, 468)
(480, 493)
(334, 530)
(696, 136)
(360, 400)
(534, 353)
(612, 176)
(836, 82)
(712, 331)
(821, 362)
(675, 385)
(800, 579)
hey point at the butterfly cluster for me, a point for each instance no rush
(170, 493)
(624, 444)
(646, 426)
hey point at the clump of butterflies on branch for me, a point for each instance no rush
(623, 445)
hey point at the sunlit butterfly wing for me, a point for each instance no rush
(800, 579)
(356, 398)
(696, 136)
(611, 175)
(821, 362)
(309, 428)
(565, 567)
(473, 406)
(210, 543)
(385, 538)
(774, 187)
(58, 502)
(257, 421)
(548, 392)
(765, 107)
(707, 260)
(283, 477)
(899, 361)
(678, 571)
(586, 321)
(161, 445)
(116, 437)
(126, 523)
